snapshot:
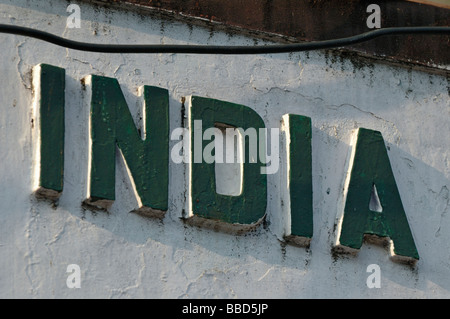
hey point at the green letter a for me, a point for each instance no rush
(373, 206)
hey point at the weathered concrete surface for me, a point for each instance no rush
(123, 255)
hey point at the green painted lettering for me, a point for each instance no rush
(146, 158)
(299, 152)
(373, 205)
(49, 82)
(247, 208)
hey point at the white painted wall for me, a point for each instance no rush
(122, 255)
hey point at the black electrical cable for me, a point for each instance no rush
(214, 49)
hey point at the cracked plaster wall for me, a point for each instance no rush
(122, 255)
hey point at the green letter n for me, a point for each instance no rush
(146, 159)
